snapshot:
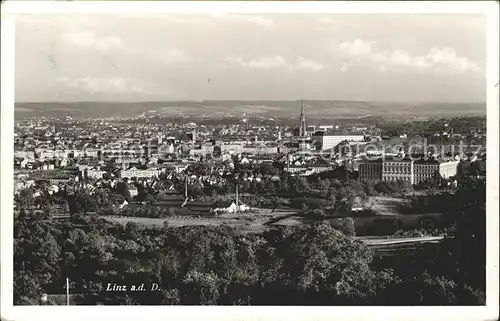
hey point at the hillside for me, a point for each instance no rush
(321, 109)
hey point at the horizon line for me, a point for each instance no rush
(255, 100)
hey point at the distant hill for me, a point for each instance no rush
(321, 109)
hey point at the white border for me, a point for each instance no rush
(8, 312)
(204, 7)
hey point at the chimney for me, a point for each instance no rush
(237, 197)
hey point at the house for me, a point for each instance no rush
(133, 191)
(125, 203)
(225, 207)
(199, 208)
(94, 173)
(63, 162)
(23, 163)
(229, 207)
(243, 207)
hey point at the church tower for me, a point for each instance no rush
(302, 125)
(303, 144)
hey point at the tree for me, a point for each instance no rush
(36, 257)
(24, 200)
(122, 189)
(144, 195)
(84, 203)
(345, 225)
(195, 191)
(319, 258)
(422, 290)
(203, 288)
(302, 185)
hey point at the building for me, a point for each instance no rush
(302, 122)
(94, 173)
(29, 155)
(424, 170)
(231, 148)
(370, 170)
(199, 208)
(398, 170)
(405, 170)
(325, 127)
(260, 150)
(448, 169)
(229, 207)
(328, 140)
(133, 191)
(224, 207)
(427, 169)
(139, 173)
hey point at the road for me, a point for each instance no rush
(371, 241)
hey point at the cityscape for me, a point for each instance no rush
(284, 201)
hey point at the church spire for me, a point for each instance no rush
(302, 126)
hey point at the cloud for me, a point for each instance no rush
(88, 39)
(260, 63)
(437, 60)
(119, 88)
(113, 85)
(168, 56)
(304, 63)
(356, 48)
(277, 62)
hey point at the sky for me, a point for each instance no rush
(172, 57)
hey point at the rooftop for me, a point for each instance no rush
(337, 133)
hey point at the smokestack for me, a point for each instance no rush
(237, 197)
(185, 192)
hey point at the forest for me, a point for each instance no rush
(315, 264)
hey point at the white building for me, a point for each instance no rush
(24, 154)
(95, 173)
(230, 207)
(324, 140)
(139, 173)
(133, 191)
(448, 169)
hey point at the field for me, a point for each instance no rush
(386, 220)
(253, 222)
(385, 206)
